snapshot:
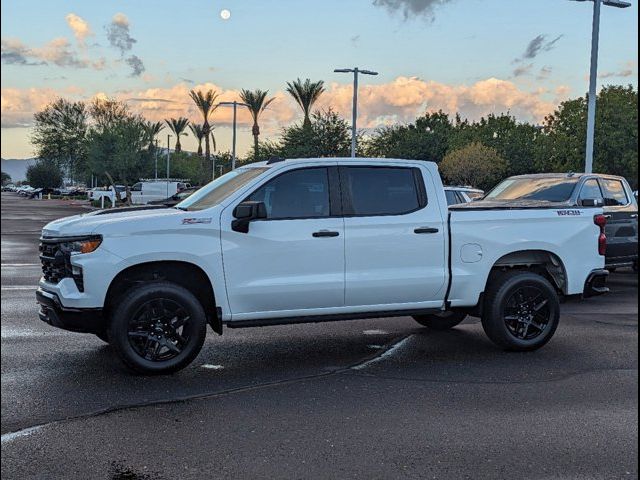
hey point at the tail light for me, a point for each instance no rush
(601, 221)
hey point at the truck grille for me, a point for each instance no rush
(56, 264)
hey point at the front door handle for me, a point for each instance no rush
(426, 230)
(325, 233)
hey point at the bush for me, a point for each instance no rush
(474, 165)
(44, 174)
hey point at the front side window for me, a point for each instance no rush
(137, 187)
(302, 193)
(452, 198)
(590, 190)
(614, 194)
(381, 191)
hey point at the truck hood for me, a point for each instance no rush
(127, 221)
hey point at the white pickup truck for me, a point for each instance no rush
(315, 240)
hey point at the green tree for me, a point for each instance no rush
(6, 178)
(44, 174)
(514, 141)
(178, 126)
(474, 165)
(305, 94)
(426, 139)
(116, 143)
(328, 135)
(206, 104)
(59, 135)
(197, 132)
(256, 103)
(562, 145)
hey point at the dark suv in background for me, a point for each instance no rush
(611, 193)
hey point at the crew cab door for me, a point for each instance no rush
(395, 238)
(622, 222)
(292, 262)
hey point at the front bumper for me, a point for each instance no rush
(87, 320)
(596, 283)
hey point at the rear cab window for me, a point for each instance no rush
(370, 191)
(590, 190)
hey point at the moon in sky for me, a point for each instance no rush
(225, 14)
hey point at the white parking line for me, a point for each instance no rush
(208, 366)
(20, 265)
(375, 332)
(9, 332)
(7, 437)
(20, 287)
(386, 354)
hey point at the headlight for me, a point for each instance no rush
(81, 245)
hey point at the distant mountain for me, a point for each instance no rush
(17, 168)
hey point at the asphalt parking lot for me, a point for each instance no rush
(369, 399)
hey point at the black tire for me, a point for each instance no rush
(440, 321)
(521, 311)
(103, 336)
(157, 328)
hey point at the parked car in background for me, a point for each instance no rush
(173, 200)
(613, 193)
(145, 192)
(457, 195)
(97, 193)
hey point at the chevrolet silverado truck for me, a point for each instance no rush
(314, 240)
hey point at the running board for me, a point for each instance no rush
(268, 322)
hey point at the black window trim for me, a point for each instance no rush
(347, 204)
(335, 200)
(581, 187)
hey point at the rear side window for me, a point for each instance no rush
(614, 193)
(590, 190)
(382, 191)
(452, 197)
(295, 194)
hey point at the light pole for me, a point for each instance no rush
(168, 160)
(593, 76)
(156, 158)
(233, 104)
(354, 118)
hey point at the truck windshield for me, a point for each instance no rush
(215, 192)
(548, 189)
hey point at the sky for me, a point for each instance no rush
(468, 56)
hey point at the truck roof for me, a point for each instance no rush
(566, 175)
(290, 161)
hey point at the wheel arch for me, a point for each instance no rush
(186, 274)
(543, 262)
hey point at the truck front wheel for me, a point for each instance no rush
(440, 321)
(157, 328)
(521, 311)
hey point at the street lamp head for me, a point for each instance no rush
(616, 3)
(368, 72)
(343, 70)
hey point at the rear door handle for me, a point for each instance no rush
(426, 230)
(325, 233)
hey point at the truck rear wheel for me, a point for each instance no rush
(440, 321)
(157, 328)
(521, 312)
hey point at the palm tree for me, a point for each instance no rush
(151, 130)
(256, 103)
(305, 94)
(206, 105)
(177, 126)
(196, 129)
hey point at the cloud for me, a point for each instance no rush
(398, 101)
(80, 28)
(544, 73)
(137, 67)
(536, 46)
(523, 70)
(411, 8)
(14, 52)
(628, 70)
(118, 33)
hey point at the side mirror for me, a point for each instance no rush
(245, 213)
(591, 202)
